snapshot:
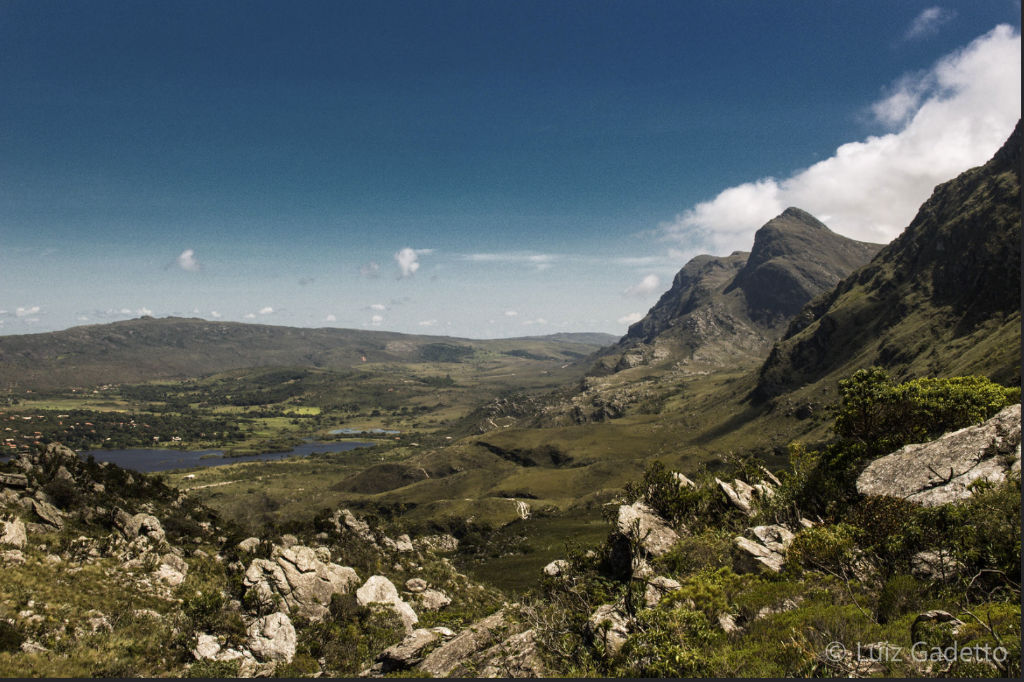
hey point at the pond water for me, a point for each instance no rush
(351, 432)
(148, 460)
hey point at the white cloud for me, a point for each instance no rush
(187, 260)
(539, 320)
(927, 23)
(370, 270)
(250, 316)
(376, 320)
(26, 312)
(214, 313)
(408, 260)
(510, 313)
(647, 286)
(266, 310)
(950, 117)
(83, 318)
(330, 318)
(428, 323)
(630, 318)
(126, 311)
(143, 311)
(540, 261)
(378, 306)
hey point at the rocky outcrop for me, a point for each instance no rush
(432, 600)
(642, 525)
(481, 635)
(941, 471)
(272, 638)
(48, 513)
(515, 657)
(609, 627)
(172, 569)
(140, 525)
(380, 591)
(935, 565)
(406, 653)
(12, 533)
(657, 588)
(249, 544)
(300, 579)
(765, 550)
(556, 568)
(13, 481)
(441, 544)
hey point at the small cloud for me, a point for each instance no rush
(143, 311)
(928, 22)
(428, 323)
(187, 260)
(330, 318)
(26, 312)
(408, 260)
(83, 318)
(539, 320)
(647, 286)
(126, 311)
(631, 318)
(214, 313)
(250, 316)
(510, 313)
(378, 306)
(371, 270)
(266, 310)
(376, 320)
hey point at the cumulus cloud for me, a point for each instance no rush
(408, 260)
(511, 313)
(330, 318)
(187, 260)
(377, 306)
(376, 320)
(647, 286)
(947, 119)
(539, 320)
(214, 313)
(27, 311)
(371, 270)
(143, 311)
(266, 310)
(928, 22)
(428, 323)
(250, 316)
(630, 318)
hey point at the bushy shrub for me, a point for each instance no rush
(830, 548)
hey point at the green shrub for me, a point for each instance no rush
(901, 594)
(213, 669)
(827, 548)
(10, 637)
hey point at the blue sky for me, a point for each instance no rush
(477, 168)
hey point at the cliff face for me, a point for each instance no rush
(723, 309)
(943, 298)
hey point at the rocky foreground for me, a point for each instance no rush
(113, 573)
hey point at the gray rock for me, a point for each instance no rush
(12, 556)
(442, 544)
(609, 626)
(406, 653)
(61, 453)
(345, 519)
(682, 481)
(249, 544)
(12, 533)
(556, 568)
(145, 525)
(48, 513)
(727, 622)
(288, 540)
(272, 638)
(482, 634)
(935, 565)
(516, 657)
(740, 494)
(753, 556)
(172, 569)
(775, 537)
(415, 584)
(300, 580)
(207, 647)
(63, 474)
(379, 590)
(13, 480)
(940, 471)
(657, 588)
(432, 600)
(935, 616)
(643, 525)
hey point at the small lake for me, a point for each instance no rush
(149, 460)
(356, 432)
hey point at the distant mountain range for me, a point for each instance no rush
(147, 348)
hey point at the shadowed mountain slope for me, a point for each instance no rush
(941, 299)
